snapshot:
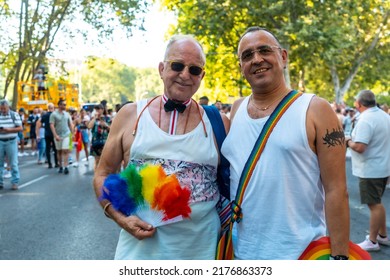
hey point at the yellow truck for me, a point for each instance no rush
(29, 97)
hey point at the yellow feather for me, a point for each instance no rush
(151, 175)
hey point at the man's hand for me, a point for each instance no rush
(138, 228)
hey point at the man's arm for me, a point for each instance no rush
(70, 124)
(235, 107)
(18, 125)
(358, 147)
(37, 127)
(326, 138)
(226, 122)
(52, 128)
(116, 150)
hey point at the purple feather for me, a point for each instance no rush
(116, 191)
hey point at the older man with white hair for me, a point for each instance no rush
(10, 125)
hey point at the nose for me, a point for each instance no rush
(257, 56)
(185, 72)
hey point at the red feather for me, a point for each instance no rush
(172, 199)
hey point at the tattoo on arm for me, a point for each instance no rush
(334, 138)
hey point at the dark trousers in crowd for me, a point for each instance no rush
(51, 148)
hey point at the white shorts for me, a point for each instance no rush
(63, 144)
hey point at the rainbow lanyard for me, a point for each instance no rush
(174, 116)
(258, 149)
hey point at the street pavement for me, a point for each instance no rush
(54, 216)
(57, 217)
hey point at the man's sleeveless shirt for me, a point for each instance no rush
(193, 158)
(283, 206)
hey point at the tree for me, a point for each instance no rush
(329, 42)
(104, 78)
(40, 21)
(108, 79)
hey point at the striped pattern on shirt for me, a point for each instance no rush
(7, 121)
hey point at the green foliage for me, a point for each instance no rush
(39, 23)
(348, 37)
(148, 83)
(104, 78)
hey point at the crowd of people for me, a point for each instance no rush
(296, 191)
(55, 132)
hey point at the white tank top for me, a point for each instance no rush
(193, 158)
(283, 205)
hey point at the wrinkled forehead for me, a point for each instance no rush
(253, 40)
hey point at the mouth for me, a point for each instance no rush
(260, 70)
(181, 84)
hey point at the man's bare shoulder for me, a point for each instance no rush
(127, 112)
(319, 106)
(235, 106)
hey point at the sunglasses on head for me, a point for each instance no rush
(178, 67)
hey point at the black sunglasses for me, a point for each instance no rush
(178, 67)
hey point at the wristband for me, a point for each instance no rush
(338, 258)
(347, 143)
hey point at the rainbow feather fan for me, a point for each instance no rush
(148, 193)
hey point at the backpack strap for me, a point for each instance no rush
(220, 134)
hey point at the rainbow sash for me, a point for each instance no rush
(225, 245)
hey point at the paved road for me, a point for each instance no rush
(56, 217)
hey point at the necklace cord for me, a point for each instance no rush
(159, 122)
(139, 116)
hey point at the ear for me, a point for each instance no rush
(284, 58)
(161, 69)
(242, 72)
(204, 73)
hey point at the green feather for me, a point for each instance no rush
(134, 183)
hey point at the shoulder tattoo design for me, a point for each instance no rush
(334, 138)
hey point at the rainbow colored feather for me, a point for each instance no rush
(147, 187)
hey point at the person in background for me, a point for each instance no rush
(171, 130)
(348, 121)
(83, 127)
(370, 153)
(298, 191)
(50, 147)
(81, 136)
(218, 104)
(10, 125)
(20, 133)
(226, 109)
(61, 127)
(100, 127)
(204, 100)
(32, 120)
(41, 141)
(117, 108)
(40, 79)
